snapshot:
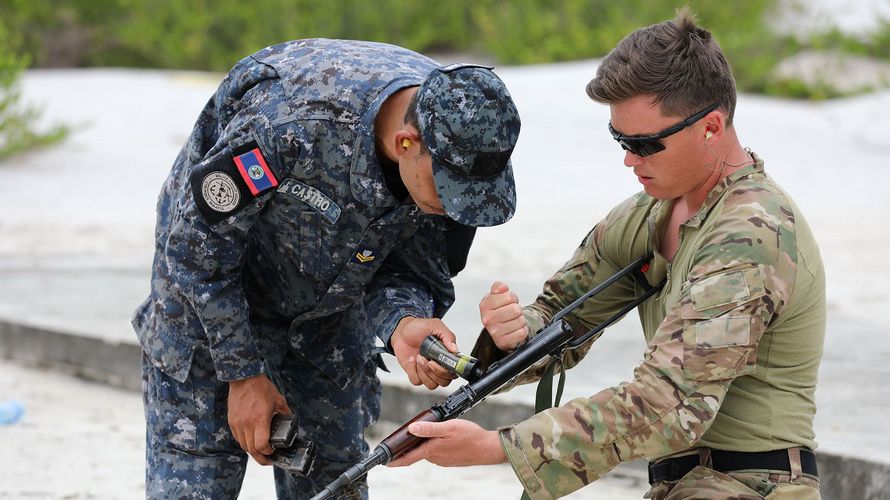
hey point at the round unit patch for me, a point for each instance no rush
(220, 192)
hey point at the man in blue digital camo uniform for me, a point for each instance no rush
(328, 193)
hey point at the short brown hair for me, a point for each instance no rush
(677, 62)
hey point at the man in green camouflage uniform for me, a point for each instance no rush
(722, 404)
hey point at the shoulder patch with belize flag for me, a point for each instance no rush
(255, 172)
(227, 182)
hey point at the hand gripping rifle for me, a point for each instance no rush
(552, 340)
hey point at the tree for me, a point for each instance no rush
(16, 121)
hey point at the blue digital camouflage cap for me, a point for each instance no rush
(469, 123)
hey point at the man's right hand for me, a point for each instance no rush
(406, 341)
(252, 402)
(502, 316)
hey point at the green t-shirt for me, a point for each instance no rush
(734, 338)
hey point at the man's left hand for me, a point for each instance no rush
(453, 443)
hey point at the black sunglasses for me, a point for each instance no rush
(645, 145)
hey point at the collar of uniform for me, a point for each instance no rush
(723, 186)
(657, 220)
(366, 180)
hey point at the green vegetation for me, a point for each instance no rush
(16, 121)
(875, 44)
(214, 34)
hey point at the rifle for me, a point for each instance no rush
(551, 340)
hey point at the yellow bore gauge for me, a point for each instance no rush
(462, 365)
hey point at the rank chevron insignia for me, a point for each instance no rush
(365, 256)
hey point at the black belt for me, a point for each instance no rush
(672, 469)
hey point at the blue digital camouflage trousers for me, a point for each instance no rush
(191, 453)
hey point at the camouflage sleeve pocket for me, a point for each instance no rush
(718, 349)
(717, 337)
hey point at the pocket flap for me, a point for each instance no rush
(169, 354)
(721, 292)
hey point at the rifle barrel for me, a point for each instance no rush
(551, 340)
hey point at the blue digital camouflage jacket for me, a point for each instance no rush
(275, 227)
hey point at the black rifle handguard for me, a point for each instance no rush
(552, 340)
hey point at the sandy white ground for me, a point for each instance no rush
(94, 196)
(81, 440)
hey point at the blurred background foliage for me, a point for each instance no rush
(17, 130)
(214, 34)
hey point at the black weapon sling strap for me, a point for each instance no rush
(544, 393)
